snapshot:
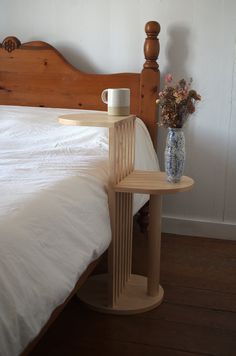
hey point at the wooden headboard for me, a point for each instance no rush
(36, 74)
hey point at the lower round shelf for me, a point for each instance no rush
(133, 300)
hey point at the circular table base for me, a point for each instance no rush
(134, 299)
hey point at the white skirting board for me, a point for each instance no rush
(213, 229)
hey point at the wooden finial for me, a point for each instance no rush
(11, 43)
(151, 45)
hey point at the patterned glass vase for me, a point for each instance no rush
(174, 154)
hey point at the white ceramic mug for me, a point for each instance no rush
(117, 100)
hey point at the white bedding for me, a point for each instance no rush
(54, 217)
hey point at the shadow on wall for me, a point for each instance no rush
(177, 58)
(178, 51)
(76, 58)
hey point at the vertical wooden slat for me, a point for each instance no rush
(125, 238)
(112, 209)
(130, 205)
(119, 215)
(133, 144)
(128, 236)
(121, 151)
(125, 149)
(118, 218)
(121, 144)
(130, 232)
(114, 237)
(124, 215)
(122, 243)
(119, 239)
(128, 146)
(154, 245)
(125, 168)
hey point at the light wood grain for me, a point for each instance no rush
(133, 300)
(154, 245)
(152, 182)
(90, 119)
(121, 293)
(121, 163)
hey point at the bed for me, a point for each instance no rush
(35, 81)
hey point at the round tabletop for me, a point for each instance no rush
(152, 182)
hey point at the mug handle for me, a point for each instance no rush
(104, 96)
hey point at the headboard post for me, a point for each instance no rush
(150, 79)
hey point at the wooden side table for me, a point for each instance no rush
(120, 291)
(155, 184)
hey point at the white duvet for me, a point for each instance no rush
(54, 217)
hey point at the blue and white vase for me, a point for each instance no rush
(174, 154)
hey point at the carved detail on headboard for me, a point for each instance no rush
(151, 45)
(11, 43)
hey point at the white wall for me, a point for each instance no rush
(198, 39)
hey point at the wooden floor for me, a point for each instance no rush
(197, 317)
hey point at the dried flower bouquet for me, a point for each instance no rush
(177, 102)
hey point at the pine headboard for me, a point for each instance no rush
(36, 74)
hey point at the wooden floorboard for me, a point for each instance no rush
(197, 297)
(197, 317)
(194, 258)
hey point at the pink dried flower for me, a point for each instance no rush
(168, 78)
